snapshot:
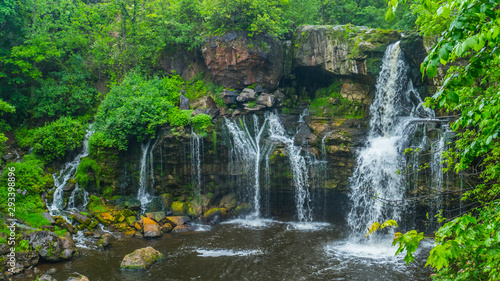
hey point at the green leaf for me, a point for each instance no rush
(453, 97)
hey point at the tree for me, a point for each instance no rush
(467, 247)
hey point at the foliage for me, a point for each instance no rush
(29, 176)
(85, 167)
(137, 106)
(468, 31)
(53, 140)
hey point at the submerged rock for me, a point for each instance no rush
(141, 259)
(75, 276)
(46, 277)
(105, 241)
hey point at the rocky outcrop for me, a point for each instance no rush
(141, 259)
(350, 51)
(236, 60)
(51, 247)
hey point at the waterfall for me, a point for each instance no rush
(143, 193)
(72, 205)
(247, 152)
(392, 124)
(67, 173)
(196, 161)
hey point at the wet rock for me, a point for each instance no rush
(214, 215)
(156, 216)
(266, 100)
(246, 95)
(131, 220)
(138, 235)
(228, 201)
(105, 218)
(182, 228)
(27, 259)
(235, 61)
(51, 247)
(46, 277)
(179, 208)
(105, 241)
(69, 246)
(151, 228)
(177, 220)
(166, 200)
(356, 92)
(207, 200)
(167, 227)
(243, 209)
(195, 208)
(129, 234)
(141, 259)
(183, 102)
(75, 276)
(82, 219)
(61, 222)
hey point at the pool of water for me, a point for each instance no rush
(241, 249)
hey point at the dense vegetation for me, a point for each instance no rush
(468, 246)
(65, 64)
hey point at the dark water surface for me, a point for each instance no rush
(249, 250)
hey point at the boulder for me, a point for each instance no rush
(356, 92)
(195, 209)
(257, 107)
(166, 200)
(129, 234)
(177, 220)
(228, 201)
(166, 227)
(151, 228)
(229, 96)
(51, 247)
(266, 100)
(105, 241)
(82, 219)
(75, 276)
(179, 208)
(141, 259)
(182, 228)
(156, 216)
(246, 95)
(243, 209)
(131, 220)
(69, 247)
(236, 60)
(214, 215)
(105, 218)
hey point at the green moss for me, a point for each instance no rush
(88, 171)
(95, 205)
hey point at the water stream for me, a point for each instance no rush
(67, 173)
(143, 193)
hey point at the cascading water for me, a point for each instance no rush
(392, 124)
(67, 173)
(143, 194)
(247, 152)
(196, 161)
(251, 145)
(299, 165)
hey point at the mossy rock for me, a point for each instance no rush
(131, 220)
(243, 209)
(141, 259)
(179, 208)
(214, 215)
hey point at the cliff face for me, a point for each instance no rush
(288, 74)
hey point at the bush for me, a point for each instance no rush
(137, 106)
(29, 176)
(53, 140)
